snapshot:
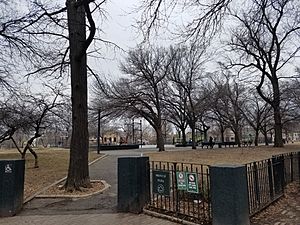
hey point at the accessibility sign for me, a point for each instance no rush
(192, 183)
(181, 181)
(161, 182)
(8, 168)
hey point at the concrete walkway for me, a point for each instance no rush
(98, 209)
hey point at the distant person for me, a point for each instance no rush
(211, 143)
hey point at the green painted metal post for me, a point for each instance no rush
(229, 195)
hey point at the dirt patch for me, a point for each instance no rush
(53, 166)
(59, 191)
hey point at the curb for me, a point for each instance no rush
(106, 186)
(56, 182)
(170, 218)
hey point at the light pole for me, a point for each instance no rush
(98, 132)
(133, 131)
(141, 133)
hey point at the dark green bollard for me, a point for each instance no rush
(11, 186)
(133, 184)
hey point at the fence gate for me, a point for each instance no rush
(181, 190)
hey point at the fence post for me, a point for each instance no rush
(283, 172)
(176, 188)
(270, 175)
(256, 184)
(292, 166)
(133, 184)
(298, 165)
(229, 195)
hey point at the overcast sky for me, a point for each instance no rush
(118, 29)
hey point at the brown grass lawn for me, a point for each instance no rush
(221, 155)
(54, 162)
(53, 165)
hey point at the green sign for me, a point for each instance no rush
(181, 180)
(161, 182)
(192, 183)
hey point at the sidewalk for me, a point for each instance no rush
(99, 209)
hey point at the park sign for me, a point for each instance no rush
(161, 182)
(187, 182)
(192, 183)
(181, 181)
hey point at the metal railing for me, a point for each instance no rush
(268, 178)
(183, 202)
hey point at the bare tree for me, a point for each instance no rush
(32, 38)
(290, 105)
(201, 25)
(37, 35)
(12, 119)
(29, 115)
(77, 12)
(186, 74)
(228, 99)
(176, 98)
(266, 41)
(142, 93)
(257, 114)
(175, 106)
(37, 117)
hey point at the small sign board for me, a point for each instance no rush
(8, 168)
(181, 181)
(161, 182)
(192, 183)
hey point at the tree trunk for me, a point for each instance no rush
(183, 136)
(160, 139)
(222, 130)
(266, 138)
(205, 129)
(16, 145)
(36, 162)
(237, 138)
(205, 134)
(193, 137)
(256, 137)
(28, 147)
(278, 142)
(78, 172)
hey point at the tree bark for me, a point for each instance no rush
(278, 142)
(28, 147)
(183, 136)
(256, 137)
(160, 139)
(237, 137)
(78, 172)
(193, 137)
(222, 130)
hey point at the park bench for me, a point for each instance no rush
(207, 144)
(247, 143)
(226, 143)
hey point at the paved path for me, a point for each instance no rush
(85, 219)
(98, 209)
